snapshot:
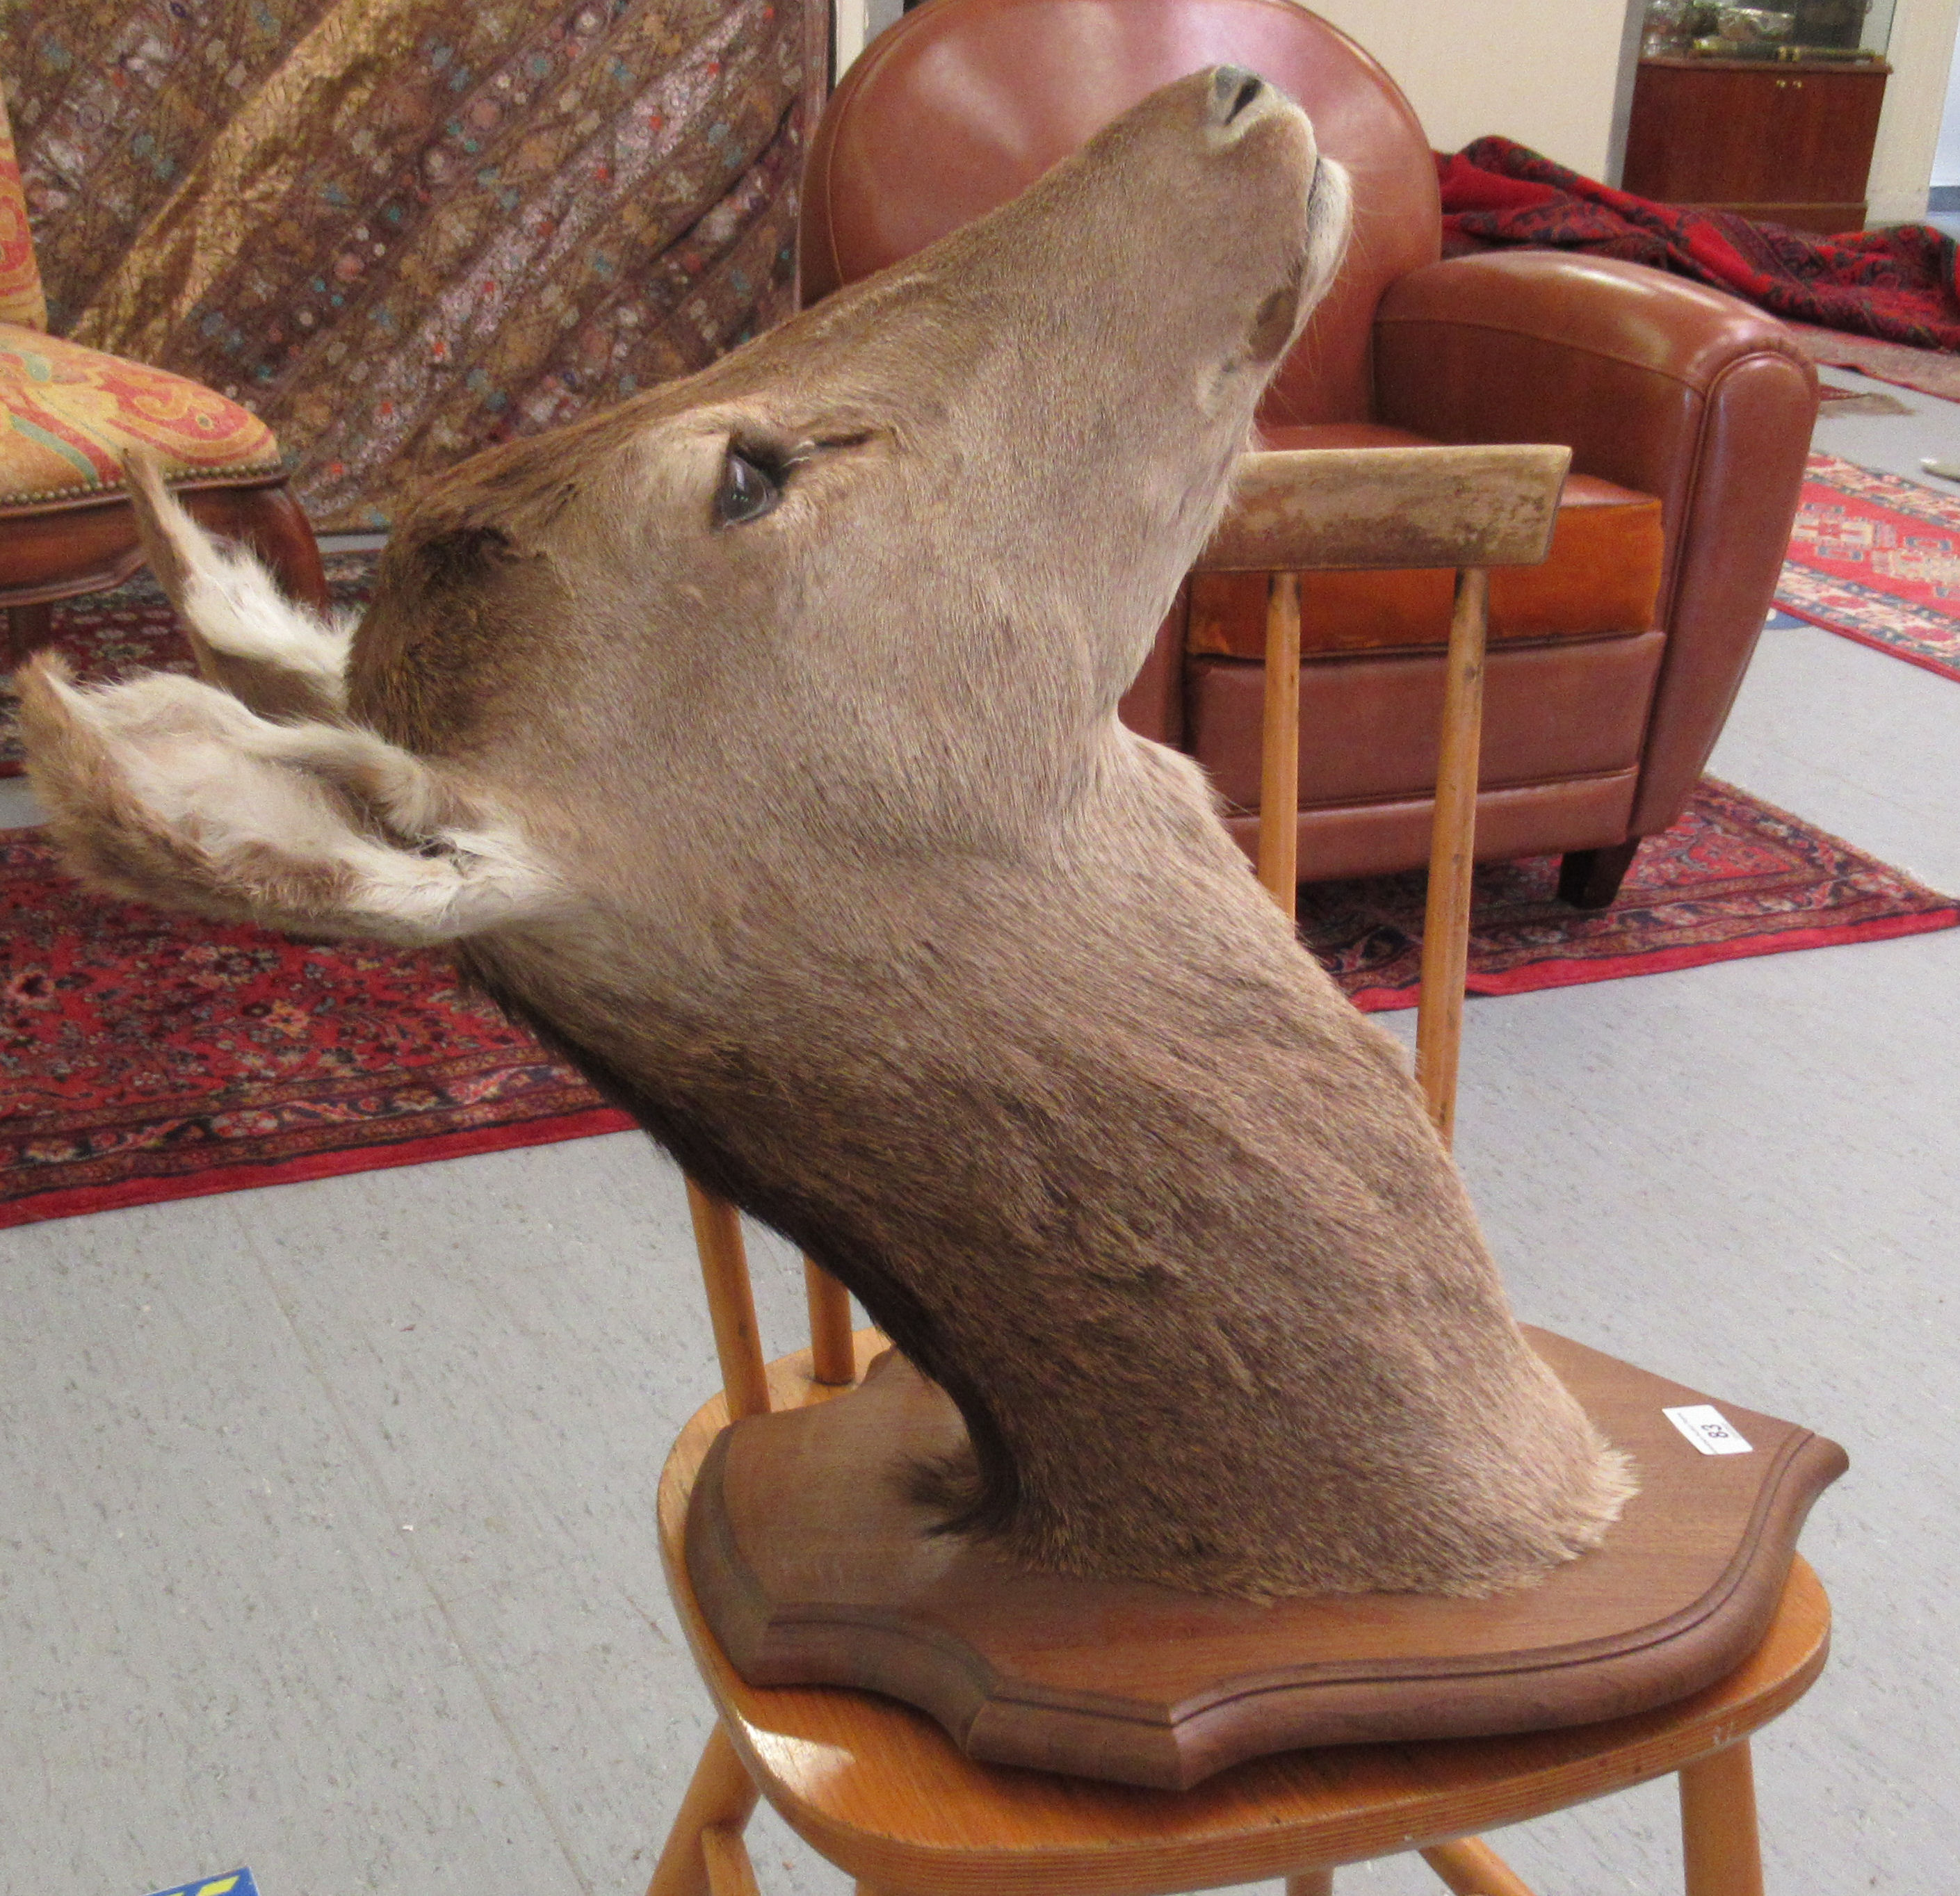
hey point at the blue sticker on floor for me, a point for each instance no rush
(238, 1882)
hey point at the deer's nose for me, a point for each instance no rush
(1232, 90)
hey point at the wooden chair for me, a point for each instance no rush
(71, 413)
(879, 1789)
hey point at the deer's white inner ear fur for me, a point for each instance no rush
(168, 790)
(277, 656)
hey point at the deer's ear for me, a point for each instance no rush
(169, 791)
(275, 656)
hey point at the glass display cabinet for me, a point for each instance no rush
(1799, 32)
(1768, 111)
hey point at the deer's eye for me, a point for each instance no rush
(747, 491)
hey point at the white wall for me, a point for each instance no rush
(1946, 154)
(1543, 74)
(1921, 53)
(858, 20)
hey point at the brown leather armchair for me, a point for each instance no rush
(1689, 414)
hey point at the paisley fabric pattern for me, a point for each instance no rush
(21, 298)
(71, 413)
(399, 231)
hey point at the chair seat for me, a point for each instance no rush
(1601, 578)
(881, 1791)
(72, 413)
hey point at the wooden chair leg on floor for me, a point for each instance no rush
(1471, 1868)
(1719, 1851)
(729, 1871)
(276, 526)
(721, 1798)
(29, 628)
(1310, 1882)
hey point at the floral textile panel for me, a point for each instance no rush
(401, 231)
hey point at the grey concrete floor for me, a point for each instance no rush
(326, 1529)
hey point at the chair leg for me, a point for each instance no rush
(729, 1871)
(1310, 1882)
(720, 1797)
(1718, 1825)
(1591, 878)
(29, 628)
(1471, 1868)
(279, 532)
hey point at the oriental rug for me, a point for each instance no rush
(1929, 371)
(1733, 878)
(1834, 400)
(1876, 558)
(146, 1057)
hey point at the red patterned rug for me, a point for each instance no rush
(1733, 878)
(145, 1057)
(1876, 557)
(1927, 371)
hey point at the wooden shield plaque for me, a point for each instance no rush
(813, 1567)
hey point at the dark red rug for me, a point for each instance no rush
(1734, 878)
(1927, 371)
(1900, 281)
(144, 1056)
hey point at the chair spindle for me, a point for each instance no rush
(731, 1302)
(833, 1357)
(1445, 928)
(1279, 745)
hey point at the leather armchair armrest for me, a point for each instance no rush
(1657, 383)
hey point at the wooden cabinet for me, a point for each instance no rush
(1790, 142)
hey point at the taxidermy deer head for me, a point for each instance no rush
(756, 741)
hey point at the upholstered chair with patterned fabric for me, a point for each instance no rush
(71, 413)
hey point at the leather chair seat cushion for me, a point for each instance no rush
(1370, 722)
(1603, 576)
(72, 413)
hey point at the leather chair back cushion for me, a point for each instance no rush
(21, 298)
(68, 414)
(964, 103)
(1369, 724)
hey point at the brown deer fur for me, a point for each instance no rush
(815, 840)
